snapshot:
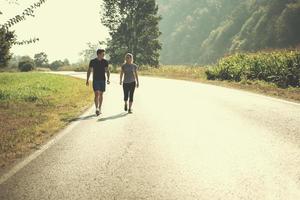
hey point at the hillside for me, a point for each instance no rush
(202, 31)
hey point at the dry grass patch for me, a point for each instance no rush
(33, 107)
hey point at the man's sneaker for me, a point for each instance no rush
(130, 111)
(125, 107)
(97, 112)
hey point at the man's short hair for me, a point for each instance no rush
(99, 51)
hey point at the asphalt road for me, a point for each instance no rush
(184, 141)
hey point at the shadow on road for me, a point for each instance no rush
(124, 114)
(82, 118)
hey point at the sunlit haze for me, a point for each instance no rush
(63, 27)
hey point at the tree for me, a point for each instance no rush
(26, 64)
(8, 38)
(133, 27)
(56, 64)
(203, 31)
(66, 62)
(90, 52)
(41, 59)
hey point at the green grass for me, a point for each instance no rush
(33, 107)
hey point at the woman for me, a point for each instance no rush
(131, 80)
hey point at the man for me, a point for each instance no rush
(99, 66)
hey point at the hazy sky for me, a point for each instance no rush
(63, 27)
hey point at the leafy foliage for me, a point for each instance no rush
(41, 59)
(202, 31)
(8, 38)
(21, 17)
(56, 64)
(90, 52)
(26, 64)
(133, 27)
(281, 68)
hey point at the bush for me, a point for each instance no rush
(280, 67)
(56, 64)
(26, 64)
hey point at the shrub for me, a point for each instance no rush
(56, 64)
(26, 64)
(279, 67)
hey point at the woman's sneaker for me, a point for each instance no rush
(97, 112)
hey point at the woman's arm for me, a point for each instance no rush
(137, 78)
(121, 76)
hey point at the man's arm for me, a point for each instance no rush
(88, 75)
(107, 74)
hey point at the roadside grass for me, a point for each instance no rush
(176, 72)
(33, 107)
(280, 67)
(198, 74)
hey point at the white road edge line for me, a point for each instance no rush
(44, 147)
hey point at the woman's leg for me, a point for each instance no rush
(126, 94)
(132, 89)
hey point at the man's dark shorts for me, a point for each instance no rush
(99, 86)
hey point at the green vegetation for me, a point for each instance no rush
(9, 38)
(41, 60)
(177, 72)
(133, 27)
(26, 64)
(33, 107)
(280, 67)
(202, 31)
(6, 41)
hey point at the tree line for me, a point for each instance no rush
(40, 60)
(202, 31)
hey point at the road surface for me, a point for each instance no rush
(184, 141)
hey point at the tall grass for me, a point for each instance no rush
(279, 67)
(175, 71)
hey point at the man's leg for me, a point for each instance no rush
(97, 94)
(100, 99)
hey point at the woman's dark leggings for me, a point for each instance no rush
(128, 89)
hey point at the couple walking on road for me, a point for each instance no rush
(99, 66)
